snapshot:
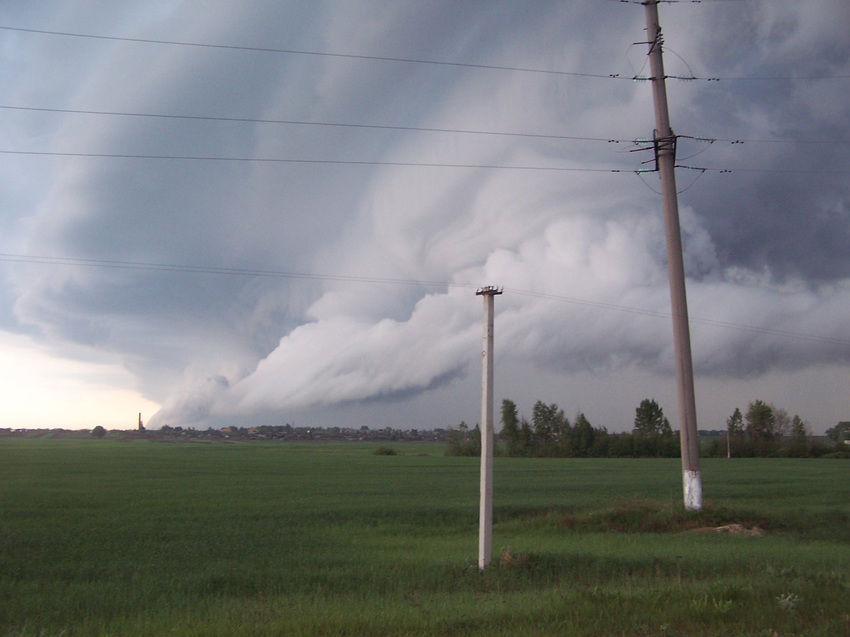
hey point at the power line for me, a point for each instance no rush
(249, 120)
(779, 171)
(246, 272)
(194, 269)
(257, 49)
(346, 162)
(415, 129)
(403, 164)
(399, 164)
(379, 58)
(766, 78)
(714, 140)
(740, 78)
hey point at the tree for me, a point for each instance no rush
(799, 445)
(526, 436)
(601, 442)
(510, 428)
(98, 432)
(464, 442)
(547, 422)
(652, 435)
(782, 421)
(761, 427)
(734, 430)
(650, 419)
(583, 436)
(799, 429)
(840, 433)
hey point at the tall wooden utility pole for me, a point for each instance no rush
(485, 509)
(665, 153)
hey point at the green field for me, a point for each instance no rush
(101, 537)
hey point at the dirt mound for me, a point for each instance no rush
(732, 529)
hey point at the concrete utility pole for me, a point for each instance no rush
(665, 153)
(485, 508)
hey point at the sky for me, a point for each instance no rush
(265, 212)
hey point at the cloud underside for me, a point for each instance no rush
(369, 269)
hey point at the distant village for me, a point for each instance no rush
(289, 432)
(265, 432)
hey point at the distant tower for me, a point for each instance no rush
(485, 512)
(141, 425)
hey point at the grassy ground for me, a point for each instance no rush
(99, 537)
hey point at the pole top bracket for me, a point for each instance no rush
(488, 290)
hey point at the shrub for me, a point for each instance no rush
(464, 442)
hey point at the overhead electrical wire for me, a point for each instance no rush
(403, 164)
(246, 272)
(364, 126)
(640, 143)
(291, 160)
(404, 60)
(714, 140)
(780, 171)
(415, 129)
(258, 49)
(193, 269)
(293, 122)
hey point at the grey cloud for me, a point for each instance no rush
(791, 221)
(581, 254)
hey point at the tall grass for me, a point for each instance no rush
(101, 537)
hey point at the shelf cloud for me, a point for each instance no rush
(277, 208)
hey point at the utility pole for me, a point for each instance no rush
(485, 508)
(665, 154)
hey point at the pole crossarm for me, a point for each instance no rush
(664, 145)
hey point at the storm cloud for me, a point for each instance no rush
(293, 217)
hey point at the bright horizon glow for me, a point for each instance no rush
(42, 391)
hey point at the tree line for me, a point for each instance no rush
(763, 430)
(766, 430)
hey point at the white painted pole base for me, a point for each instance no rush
(692, 482)
(485, 514)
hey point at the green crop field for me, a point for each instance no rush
(102, 537)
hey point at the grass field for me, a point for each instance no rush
(100, 537)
